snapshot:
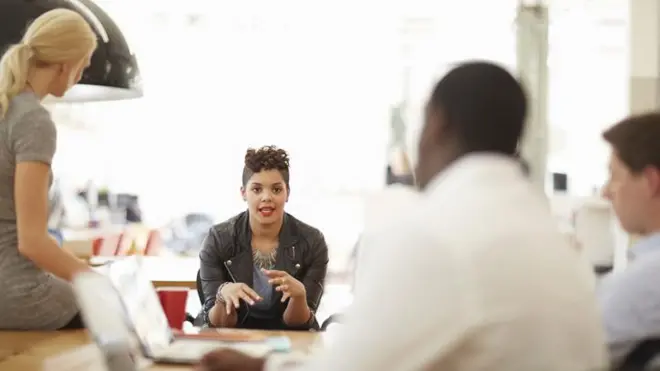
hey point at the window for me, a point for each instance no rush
(588, 87)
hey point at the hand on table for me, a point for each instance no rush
(233, 293)
(229, 360)
(286, 284)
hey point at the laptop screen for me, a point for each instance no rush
(101, 309)
(142, 305)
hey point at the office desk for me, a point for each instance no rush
(26, 351)
(163, 271)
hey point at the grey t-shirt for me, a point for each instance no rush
(262, 309)
(30, 299)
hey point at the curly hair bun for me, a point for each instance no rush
(266, 158)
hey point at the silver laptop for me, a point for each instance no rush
(145, 315)
(101, 310)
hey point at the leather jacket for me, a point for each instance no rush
(226, 256)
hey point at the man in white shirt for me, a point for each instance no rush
(473, 274)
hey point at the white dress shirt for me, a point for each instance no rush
(471, 275)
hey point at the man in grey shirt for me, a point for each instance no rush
(630, 300)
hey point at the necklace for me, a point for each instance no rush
(264, 260)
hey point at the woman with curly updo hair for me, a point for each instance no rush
(263, 268)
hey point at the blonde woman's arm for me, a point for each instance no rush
(33, 141)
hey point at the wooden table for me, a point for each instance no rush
(16, 342)
(26, 351)
(165, 271)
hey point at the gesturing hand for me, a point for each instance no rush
(232, 293)
(287, 285)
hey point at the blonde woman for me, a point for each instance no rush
(34, 270)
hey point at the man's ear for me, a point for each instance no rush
(652, 175)
(243, 194)
(288, 193)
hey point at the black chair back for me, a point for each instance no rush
(641, 357)
(200, 292)
(334, 318)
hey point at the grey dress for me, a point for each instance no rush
(30, 299)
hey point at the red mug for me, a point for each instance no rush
(173, 300)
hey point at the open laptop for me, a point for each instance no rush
(144, 313)
(101, 310)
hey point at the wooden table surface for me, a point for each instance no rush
(26, 351)
(165, 271)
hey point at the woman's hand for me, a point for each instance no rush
(233, 293)
(229, 360)
(286, 284)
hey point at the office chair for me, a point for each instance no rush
(339, 317)
(642, 356)
(195, 320)
(200, 292)
(334, 318)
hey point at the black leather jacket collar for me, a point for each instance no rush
(240, 266)
(288, 234)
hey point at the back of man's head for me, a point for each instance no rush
(483, 106)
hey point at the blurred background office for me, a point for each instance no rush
(341, 85)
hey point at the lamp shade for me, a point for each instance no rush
(113, 73)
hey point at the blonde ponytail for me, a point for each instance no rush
(14, 67)
(57, 36)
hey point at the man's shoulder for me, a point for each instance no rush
(398, 230)
(645, 266)
(393, 206)
(639, 279)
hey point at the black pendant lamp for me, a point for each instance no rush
(113, 73)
